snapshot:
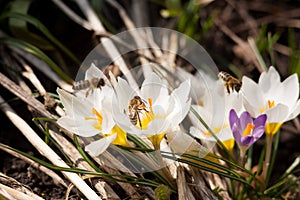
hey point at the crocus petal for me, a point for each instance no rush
(237, 133)
(67, 100)
(157, 126)
(179, 98)
(260, 121)
(277, 114)
(92, 72)
(294, 111)
(245, 119)
(247, 141)
(253, 97)
(154, 88)
(232, 118)
(258, 131)
(268, 79)
(99, 146)
(81, 127)
(290, 84)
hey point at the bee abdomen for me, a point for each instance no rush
(224, 76)
(80, 85)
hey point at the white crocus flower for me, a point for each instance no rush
(279, 100)
(161, 111)
(214, 110)
(91, 115)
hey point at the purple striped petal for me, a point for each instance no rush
(245, 119)
(247, 141)
(233, 118)
(260, 120)
(239, 124)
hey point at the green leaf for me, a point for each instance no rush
(36, 52)
(162, 192)
(37, 24)
(19, 29)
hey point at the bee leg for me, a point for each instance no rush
(87, 93)
(228, 88)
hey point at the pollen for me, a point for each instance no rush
(271, 104)
(98, 118)
(248, 130)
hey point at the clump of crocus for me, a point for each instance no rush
(278, 100)
(245, 130)
(91, 115)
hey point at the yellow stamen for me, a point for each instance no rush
(271, 104)
(248, 129)
(200, 103)
(98, 117)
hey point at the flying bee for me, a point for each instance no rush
(136, 105)
(90, 84)
(230, 82)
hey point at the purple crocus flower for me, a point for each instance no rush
(244, 129)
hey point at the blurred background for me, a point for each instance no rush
(242, 37)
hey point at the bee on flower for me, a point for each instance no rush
(157, 110)
(278, 100)
(91, 115)
(214, 110)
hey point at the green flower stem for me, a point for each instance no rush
(269, 140)
(274, 152)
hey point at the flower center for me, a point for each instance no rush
(216, 130)
(248, 130)
(149, 115)
(271, 104)
(98, 117)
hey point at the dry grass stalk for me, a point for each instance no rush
(111, 49)
(45, 150)
(10, 193)
(56, 178)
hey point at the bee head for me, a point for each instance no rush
(237, 87)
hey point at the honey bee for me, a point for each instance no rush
(136, 105)
(230, 82)
(90, 84)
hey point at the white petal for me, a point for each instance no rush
(177, 117)
(108, 122)
(98, 147)
(253, 97)
(199, 134)
(123, 94)
(268, 79)
(179, 141)
(84, 128)
(67, 101)
(225, 134)
(277, 114)
(205, 114)
(113, 79)
(156, 126)
(153, 87)
(179, 97)
(294, 112)
(198, 85)
(290, 91)
(93, 72)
